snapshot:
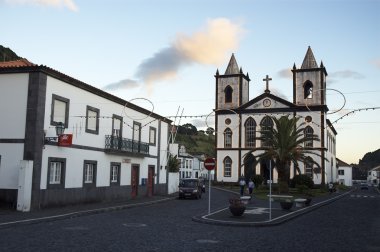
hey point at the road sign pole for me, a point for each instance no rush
(209, 191)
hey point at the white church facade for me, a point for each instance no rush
(239, 120)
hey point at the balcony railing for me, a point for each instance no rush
(118, 144)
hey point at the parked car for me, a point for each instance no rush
(190, 188)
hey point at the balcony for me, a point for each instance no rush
(118, 145)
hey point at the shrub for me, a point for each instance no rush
(258, 180)
(302, 180)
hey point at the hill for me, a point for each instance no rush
(7, 54)
(199, 143)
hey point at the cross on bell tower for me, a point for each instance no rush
(267, 79)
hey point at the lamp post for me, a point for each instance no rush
(59, 129)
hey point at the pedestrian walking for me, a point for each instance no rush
(251, 186)
(331, 187)
(242, 185)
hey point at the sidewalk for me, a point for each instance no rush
(258, 213)
(11, 217)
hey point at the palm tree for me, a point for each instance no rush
(285, 144)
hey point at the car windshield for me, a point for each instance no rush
(188, 183)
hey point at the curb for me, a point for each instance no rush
(274, 222)
(80, 213)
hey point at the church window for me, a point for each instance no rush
(309, 136)
(227, 163)
(266, 125)
(308, 90)
(228, 138)
(250, 133)
(228, 94)
(309, 167)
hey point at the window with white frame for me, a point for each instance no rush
(250, 133)
(59, 110)
(92, 120)
(340, 172)
(152, 136)
(89, 173)
(266, 125)
(228, 138)
(309, 167)
(227, 163)
(56, 172)
(115, 173)
(117, 123)
(136, 131)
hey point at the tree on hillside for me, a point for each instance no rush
(285, 144)
(187, 129)
(210, 131)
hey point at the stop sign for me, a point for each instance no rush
(210, 164)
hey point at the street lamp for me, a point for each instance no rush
(59, 129)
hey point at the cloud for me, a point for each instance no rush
(210, 46)
(50, 3)
(285, 73)
(123, 84)
(376, 63)
(346, 74)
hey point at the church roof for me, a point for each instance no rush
(309, 60)
(16, 63)
(232, 67)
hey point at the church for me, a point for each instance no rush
(239, 120)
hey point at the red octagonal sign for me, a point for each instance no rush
(210, 164)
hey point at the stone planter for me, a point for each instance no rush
(308, 201)
(286, 205)
(237, 210)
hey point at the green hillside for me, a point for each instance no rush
(7, 54)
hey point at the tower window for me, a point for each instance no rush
(308, 90)
(228, 138)
(228, 94)
(227, 163)
(309, 136)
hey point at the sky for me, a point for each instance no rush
(168, 51)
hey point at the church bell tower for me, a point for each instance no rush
(232, 88)
(309, 82)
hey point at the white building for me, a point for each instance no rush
(344, 173)
(117, 149)
(374, 176)
(239, 121)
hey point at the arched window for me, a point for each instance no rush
(250, 133)
(228, 138)
(309, 167)
(308, 89)
(309, 132)
(266, 125)
(228, 94)
(227, 165)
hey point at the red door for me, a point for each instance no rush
(134, 180)
(150, 181)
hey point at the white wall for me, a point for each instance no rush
(79, 99)
(13, 98)
(173, 182)
(13, 102)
